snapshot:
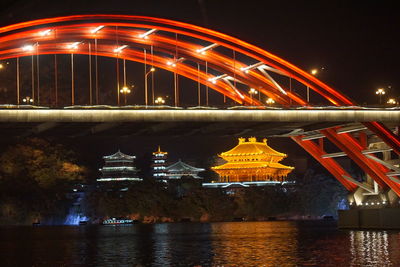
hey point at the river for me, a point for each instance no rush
(199, 244)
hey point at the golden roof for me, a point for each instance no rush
(160, 152)
(251, 165)
(251, 147)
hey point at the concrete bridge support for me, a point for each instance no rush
(372, 207)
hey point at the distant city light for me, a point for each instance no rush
(314, 71)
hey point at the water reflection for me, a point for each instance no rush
(196, 244)
(369, 248)
(255, 243)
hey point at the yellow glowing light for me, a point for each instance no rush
(392, 101)
(159, 100)
(125, 90)
(380, 91)
(270, 101)
(314, 71)
(252, 160)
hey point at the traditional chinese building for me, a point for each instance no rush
(159, 164)
(179, 169)
(252, 161)
(119, 167)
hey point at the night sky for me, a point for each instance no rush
(356, 42)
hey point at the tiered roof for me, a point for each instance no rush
(119, 155)
(181, 166)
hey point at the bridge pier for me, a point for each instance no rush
(372, 207)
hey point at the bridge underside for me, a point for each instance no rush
(120, 122)
(178, 129)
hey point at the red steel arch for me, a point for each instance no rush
(126, 30)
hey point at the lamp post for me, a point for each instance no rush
(252, 92)
(28, 100)
(313, 72)
(152, 69)
(270, 101)
(159, 101)
(391, 101)
(380, 92)
(125, 90)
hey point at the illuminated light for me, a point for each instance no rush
(204, 49)
(380, 91)
(28, 48)
(27, 100)
(314, 71)
(366, 204)
(248, 68)
(95, 30)
(392, 101)
(253, 91)
(146, 34)
(1, 66)
(270, 101)
(253, 168)
(159, 100)
(45, 32)
(173, 63)
(125, 90)
(372, 203)
(214, 79)
(119, 49)
(153, 69)
(73, 45)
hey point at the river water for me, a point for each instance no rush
(199, 244)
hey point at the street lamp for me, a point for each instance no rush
(125, 90)
(159, 101)
(270, 101)
(27, 100)
(391, 101)
(152, 69)
(252, 92)
(380, 92)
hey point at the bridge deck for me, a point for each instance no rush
(120, 122)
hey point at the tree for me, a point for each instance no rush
(35, 176)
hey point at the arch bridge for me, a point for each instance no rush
(244, 73)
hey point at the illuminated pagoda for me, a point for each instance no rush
(119, 167)
(179, 169)
(159, 164)
(252, 163)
